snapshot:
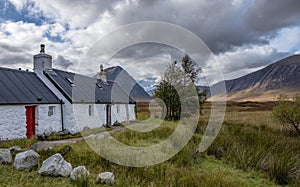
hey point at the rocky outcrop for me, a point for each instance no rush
(79, 173)
(26, 160)
(5, 156)
(106, 178)
(56, 166)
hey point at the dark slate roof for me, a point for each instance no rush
(128, 83)
(83, 89)
(22, 87)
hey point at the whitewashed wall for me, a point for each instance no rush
(48, 124)
(121, 114)
(68, 114)
(76, 124)
(12, 122)
(83, 120)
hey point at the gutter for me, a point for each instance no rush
(62, 115)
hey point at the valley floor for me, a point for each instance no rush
(251, 150)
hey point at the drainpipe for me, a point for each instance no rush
(62, 115)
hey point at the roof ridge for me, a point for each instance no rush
(17, 70)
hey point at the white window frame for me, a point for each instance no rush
(91, 110)
(51, 111)
(118, 108)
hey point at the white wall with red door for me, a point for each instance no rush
(27, 121)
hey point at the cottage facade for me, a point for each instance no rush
(26, 105)
(50, 100)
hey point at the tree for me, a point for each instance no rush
(177, 88)
(287, 112)
(190, 68)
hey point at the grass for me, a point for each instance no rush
(205, 171)
(259, 149)
(251, 150)
(186, 168)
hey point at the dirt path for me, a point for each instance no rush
(45, 144)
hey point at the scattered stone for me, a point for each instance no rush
(5, 156)
(26, 160)
(41, 137)
(65, 150)
(80, 173)
(56, 166)
(35, 147)
(15, 149)
(106, 178)
(49, 149)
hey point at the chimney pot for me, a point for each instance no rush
(42, 48)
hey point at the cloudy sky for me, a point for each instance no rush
(244, 35)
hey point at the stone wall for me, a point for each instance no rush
(13, 122)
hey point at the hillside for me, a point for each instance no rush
(281, 77)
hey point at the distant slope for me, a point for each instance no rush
(149, 84)
(267, 83)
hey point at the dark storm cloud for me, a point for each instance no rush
(269, 15)
(223, 25)
(148, 50)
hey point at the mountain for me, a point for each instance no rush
(282, 77)
(148, 84)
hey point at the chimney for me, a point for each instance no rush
(102, 74)
(42, 61)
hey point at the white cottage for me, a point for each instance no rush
(88, 102)
(51, 100)
(27, 105)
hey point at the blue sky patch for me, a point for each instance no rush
(9, 12)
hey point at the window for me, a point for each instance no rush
(118, 109)
(91, 110)
(51, 111)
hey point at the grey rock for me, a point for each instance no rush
(26, 160)
(106, 178)
(56, 166)
(79, 172)
(35, 147)
(5, 156)
(49, 149)
(15, 149)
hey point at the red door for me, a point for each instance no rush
(30, 121)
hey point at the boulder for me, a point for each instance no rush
(26, 160)
(15, 149)
(79, 173)
(56, 166)
(5, 156)
(106, 178)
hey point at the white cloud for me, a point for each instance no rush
(287, 39)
